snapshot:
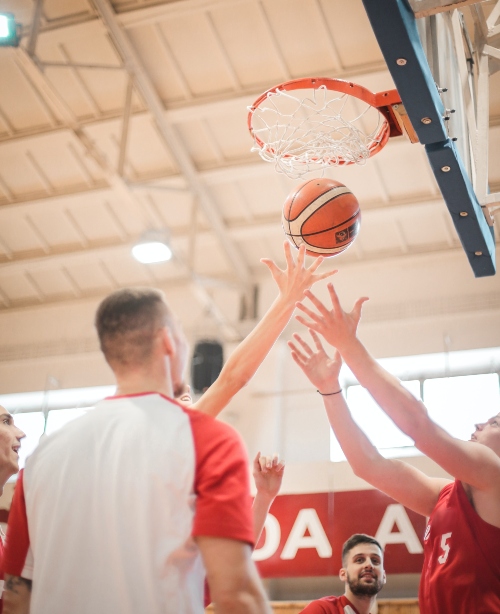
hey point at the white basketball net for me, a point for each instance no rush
(302, 130)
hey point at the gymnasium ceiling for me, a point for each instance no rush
(91, 158)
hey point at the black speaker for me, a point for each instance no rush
(206, 365)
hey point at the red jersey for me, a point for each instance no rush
(330, 605)
(461, 572)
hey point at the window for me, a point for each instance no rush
(60, 407)
(456, 402)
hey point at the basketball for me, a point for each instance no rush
(323, 214)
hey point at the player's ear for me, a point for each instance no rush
(343, 574)
(167, 341)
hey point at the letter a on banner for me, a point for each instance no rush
(395, 514)
(307, 520)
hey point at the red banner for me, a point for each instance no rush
(304, 534)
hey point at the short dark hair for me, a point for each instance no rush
(354, 540)
(127, 321)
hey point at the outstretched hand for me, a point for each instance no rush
(296, 278)
(322, 371)
(268, 474)
(337, 326)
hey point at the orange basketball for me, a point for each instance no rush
(323, 214)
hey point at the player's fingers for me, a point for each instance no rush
(317, 340)
(263, 462)
(304, 345)
(288, 255)
(300, 358)
(316, 263)
(358, 305)
(316, 302)
(325, 275)
(299, 361)
(334, 298)
(307, 323)
(276, 459)
(256, 463)
(301, 256)
(307, 311)
(271, 265)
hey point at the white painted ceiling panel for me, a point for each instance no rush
(198, 53)
(54, 283)
(19, 235)
(302, 37)
(55, 226)
(351, 32)
(17, 287)
(20, 105)
(127, 271)
(90, 275)
(405, 171)
(157, 58)
(55, 9)
(230, 132)
(247, 37)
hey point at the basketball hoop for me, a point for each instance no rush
(308, 124)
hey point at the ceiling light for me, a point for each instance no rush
(9, 30)
(153, 247)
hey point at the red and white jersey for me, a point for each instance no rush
(461, 572)
(104, 513)
(330, 605)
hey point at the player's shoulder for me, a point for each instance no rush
(209, 428)
(325, 605)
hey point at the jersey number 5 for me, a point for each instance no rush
(446, 548)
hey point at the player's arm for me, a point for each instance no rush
(248, 356)
(223, 525)
(397, 479)
(16, 595)
(476, 465)
(268, 475)
(231, 574)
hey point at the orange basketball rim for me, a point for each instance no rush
(307, 122)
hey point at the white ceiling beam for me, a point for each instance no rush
(238, 231)
(383, 259)
(193, 108)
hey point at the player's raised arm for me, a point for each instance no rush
(478, 466)
(268, 475)
(397, 479)
(292, 282)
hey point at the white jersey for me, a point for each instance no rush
(112, 501)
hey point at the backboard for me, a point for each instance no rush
(441, 55)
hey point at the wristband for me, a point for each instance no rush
(327, 394)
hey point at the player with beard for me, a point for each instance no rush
(363, 574)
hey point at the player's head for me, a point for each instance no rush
(135, 326)
(362, 565)
(10, 442)
(488, 433)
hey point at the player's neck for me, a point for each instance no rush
(149, 379)
(364, 605)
